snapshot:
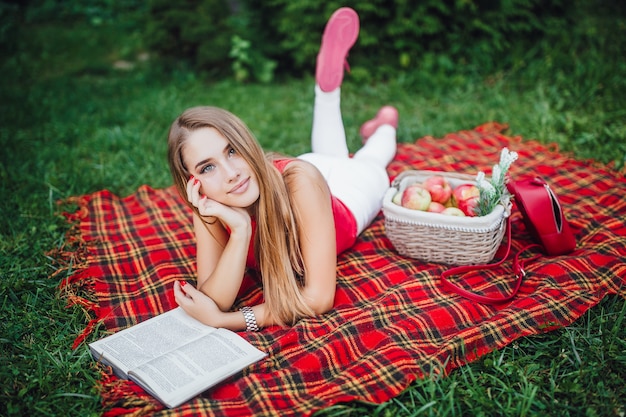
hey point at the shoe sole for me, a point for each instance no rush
(340, 34)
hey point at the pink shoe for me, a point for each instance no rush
(387, 115)
(340, 34)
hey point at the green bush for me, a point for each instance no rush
(193, 31)
(217, 37)
(248, 37)
(405, 35)
(96, 12)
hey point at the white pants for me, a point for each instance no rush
(359, 182)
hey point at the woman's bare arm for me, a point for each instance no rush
(221, 261)
(202, 307)
(220, 256)
(317, 236)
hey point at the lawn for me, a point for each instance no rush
(82, 110)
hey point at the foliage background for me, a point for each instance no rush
(88, 89)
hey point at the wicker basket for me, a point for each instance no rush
(435, 237)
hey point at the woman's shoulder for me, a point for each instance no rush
(306, 183)
(289, 164)
(296, 171)
(304, 169)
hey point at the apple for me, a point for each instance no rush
(397, 198)
(439, 188)
(453, 211)
(416, 197)
(466, 197)
(436, 207)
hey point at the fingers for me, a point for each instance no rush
(182, 293)
(188, 289)
(197, 199)
(211, 210)
(193, 191)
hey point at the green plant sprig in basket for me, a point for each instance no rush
(494, 191)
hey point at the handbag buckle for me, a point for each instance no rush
(538, 181)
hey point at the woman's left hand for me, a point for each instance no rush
(197, 304)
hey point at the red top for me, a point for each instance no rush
(345, 223)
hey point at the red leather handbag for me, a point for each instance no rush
(544, 218)
(543, 215)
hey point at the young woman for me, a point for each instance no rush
(287, 217)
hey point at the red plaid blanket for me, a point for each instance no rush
(392, 322)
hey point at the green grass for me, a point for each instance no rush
(70, 124)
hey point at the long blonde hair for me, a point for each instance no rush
(276, 242)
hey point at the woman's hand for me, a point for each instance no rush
(198, 305)
(235, 218)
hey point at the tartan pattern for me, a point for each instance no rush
(392, 323)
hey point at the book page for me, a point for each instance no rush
(145, 341)
(196, 366)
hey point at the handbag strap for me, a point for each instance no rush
(518, 269)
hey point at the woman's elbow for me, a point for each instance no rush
(322, 304)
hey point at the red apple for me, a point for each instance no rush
(466, 196)
(439, 188)
(435, 207)
(416, 197)
(453, 211)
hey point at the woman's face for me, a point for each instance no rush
(224, 175)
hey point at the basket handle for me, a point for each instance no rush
(518, 268)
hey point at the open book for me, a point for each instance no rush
(175, 357)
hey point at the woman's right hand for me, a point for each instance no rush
(222, 245)
(235, 218)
